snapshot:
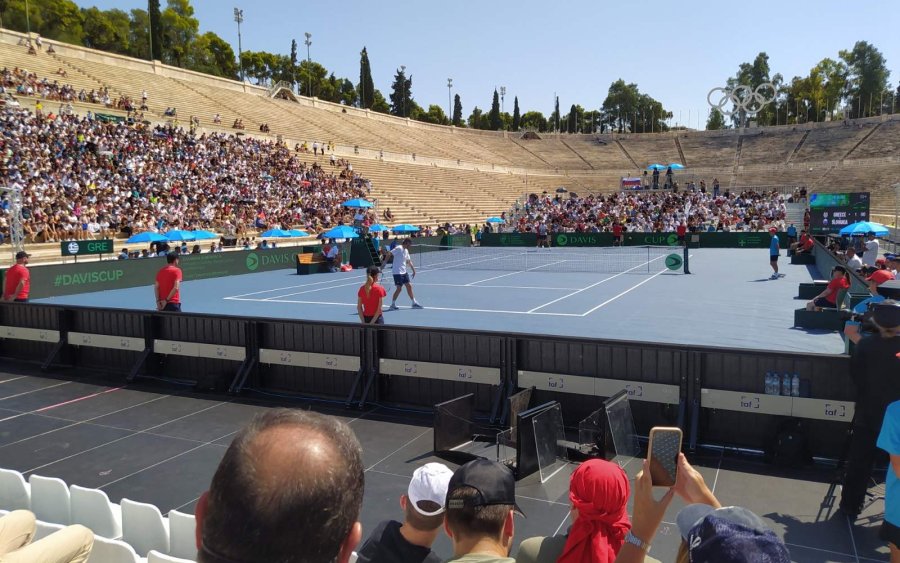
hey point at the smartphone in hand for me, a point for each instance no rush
(662, 454)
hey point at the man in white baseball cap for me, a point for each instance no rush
(423, 506)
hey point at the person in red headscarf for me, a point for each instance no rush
(598, 492)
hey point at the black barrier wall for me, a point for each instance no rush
(717, 395)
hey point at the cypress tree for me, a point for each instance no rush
(494, 116)
(457, 111)
(517, 118)
(366, 85)
(155, 29)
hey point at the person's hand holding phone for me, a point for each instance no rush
(648, 512)
(690, 485)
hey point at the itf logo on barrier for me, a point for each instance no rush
(252, 262)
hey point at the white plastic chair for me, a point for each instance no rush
(91, 508)
(157, 557)
(144, 527)
(50, 500)
(182, 535)
(112, 551)
(15, 493)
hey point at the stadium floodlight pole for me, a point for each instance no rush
(239, 19)
(449, 101)
(308, 42)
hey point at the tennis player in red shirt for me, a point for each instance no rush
(168, 285)
(18, 279)
(370, 298)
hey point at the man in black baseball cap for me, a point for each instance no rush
(481, 501)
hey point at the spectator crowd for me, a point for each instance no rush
(82, 177)
(651, 212)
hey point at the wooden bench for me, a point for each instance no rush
(311, 263)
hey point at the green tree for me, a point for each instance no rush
(517, 117)
(401, 94)
(534, 120)
(627, 109)
(366, 86)
(61, 20)
(293, 62)
(867, 78)
(716, 121)
(308, 72)
(211, 54)
(752, 75)
(494, 121)
(572, 120)
(156, 29)
(435, 114)
(380, 105)
(106, 30)
(180, 29)
(457, 111)
(478, 119)
(139, 34)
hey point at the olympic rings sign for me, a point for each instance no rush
(743, 98)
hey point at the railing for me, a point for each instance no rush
(715, 394)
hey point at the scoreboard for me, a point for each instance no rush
(829, 213)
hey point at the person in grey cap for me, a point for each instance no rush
(481, 501)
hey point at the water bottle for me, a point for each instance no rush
(769, 385)
(795, 385)
(786, 385)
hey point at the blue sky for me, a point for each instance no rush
(573, 48)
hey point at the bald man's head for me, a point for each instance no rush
(289, 489)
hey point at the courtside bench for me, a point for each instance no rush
(311, 263)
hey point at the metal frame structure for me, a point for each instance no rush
(16, 229)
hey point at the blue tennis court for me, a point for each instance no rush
(728, 299)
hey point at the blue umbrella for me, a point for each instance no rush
(146, 236)
(676, 166)
(377, 228)
(358, 203)
(176, 235)
(405, 229)
(495, 220)
(297, 233)
(275, 233)
(864, 228)
(200, 234)
(341, 231)
(656, 167)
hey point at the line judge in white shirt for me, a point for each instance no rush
(398, 267)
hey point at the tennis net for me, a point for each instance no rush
(622, 259)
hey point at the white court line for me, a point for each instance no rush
(335, 286)
(629, 290)
(518, 272)
(595, 285)
(493, 286)
(283, 288)
(427, 308)
(13, 379)
(35, 390)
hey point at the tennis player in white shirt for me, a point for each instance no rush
(401, 278)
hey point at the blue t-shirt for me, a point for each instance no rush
(773, 245)
(889, 441)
